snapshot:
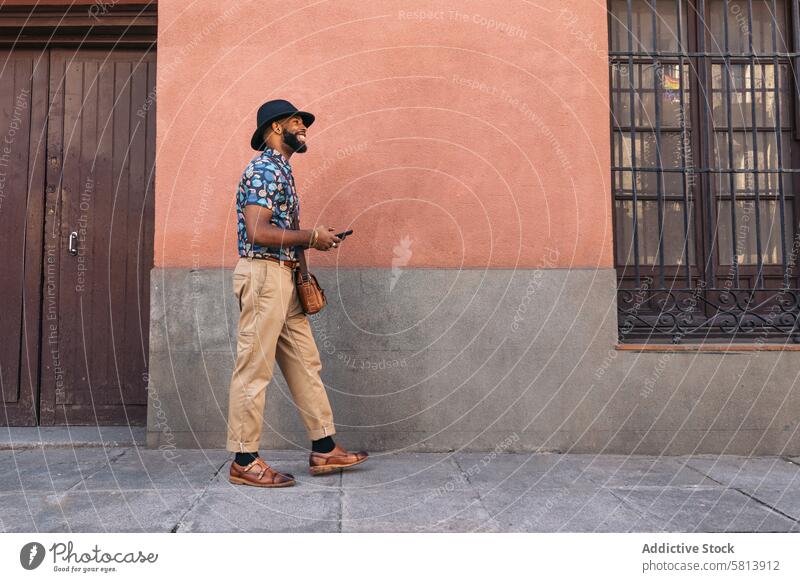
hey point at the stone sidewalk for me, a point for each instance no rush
(52, 488)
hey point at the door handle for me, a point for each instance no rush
(73, 240)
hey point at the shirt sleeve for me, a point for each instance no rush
(261, 184)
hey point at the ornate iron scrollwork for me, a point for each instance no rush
(679, 315)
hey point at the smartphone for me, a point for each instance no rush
(342, 235)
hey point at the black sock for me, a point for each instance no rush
(323, 445)
(245, 459)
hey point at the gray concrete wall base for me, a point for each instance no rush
(434, 360)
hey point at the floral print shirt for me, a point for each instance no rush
(267, 181)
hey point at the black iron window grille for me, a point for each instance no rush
(705, 164)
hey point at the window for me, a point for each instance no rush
(705, 164)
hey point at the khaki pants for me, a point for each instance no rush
(272, 326)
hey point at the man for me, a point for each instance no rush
(272, 324)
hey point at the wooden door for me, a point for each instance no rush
(23, 110)
(98, 239)
(77, 152)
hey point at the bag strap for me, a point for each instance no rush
(301, 262)
(299, 251)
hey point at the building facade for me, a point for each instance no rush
(573, 221)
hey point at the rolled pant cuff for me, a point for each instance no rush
(319, 433)
(240, 447)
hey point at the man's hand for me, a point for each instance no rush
(326, 239)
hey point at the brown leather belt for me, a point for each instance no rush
(290, 264)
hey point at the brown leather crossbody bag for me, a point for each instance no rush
(311, 295)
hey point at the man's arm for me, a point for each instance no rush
(261, 231)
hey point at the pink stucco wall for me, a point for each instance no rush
(475, 131)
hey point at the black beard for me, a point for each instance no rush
(290, 139)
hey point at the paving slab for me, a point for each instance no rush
(544, 471)
(55, 469)
(251, 509)
(7, 459)
(569, 509)
(748, 473)
(772, 480)
(785, 500)
(639, 470)
(73, 436)
(406, 510)
(138, 489)
(92, 511)
(557, 471)
(712, 509)
(187, 470)
(424, 473)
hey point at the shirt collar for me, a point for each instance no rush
(275, 154)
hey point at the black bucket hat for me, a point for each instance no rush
(269, 112)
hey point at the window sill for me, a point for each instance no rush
(708, 348)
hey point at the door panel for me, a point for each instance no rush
(23, 108)
(101, 146)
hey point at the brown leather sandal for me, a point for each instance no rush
(259, 474)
